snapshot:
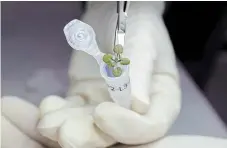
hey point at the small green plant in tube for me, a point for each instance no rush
(114, 61)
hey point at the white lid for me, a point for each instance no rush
(81, 36)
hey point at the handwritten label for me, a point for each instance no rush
(121, 88)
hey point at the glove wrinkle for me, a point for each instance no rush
(25, 117)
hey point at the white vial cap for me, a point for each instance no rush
(81, 36)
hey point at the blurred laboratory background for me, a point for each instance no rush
(199, 34)
(35, 57)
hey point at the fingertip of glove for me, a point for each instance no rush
(81, 132)
(140, 106)
(104, 107)
(47, 128)
(75, 101)
(102, 111)
(51, 103)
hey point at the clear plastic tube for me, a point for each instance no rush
(118, 87)
(81, 36)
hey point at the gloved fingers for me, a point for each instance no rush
(12, 137)
(73, 127)
(141, 66)
(93, 91)
(165, 63)
(165, 99)
(123, 125)
(81, 132)
(25, 116)
(53, 103)
(129, 127)
(140, 47)
(50, 123)
(75, 101)
(149, 48)
(153, 71)
(165, 92)
(50, 104)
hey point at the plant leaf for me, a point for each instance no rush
(117, 72)
(118, 49)
(109, 65)
(125, 61)
(112, 64)
(107, 58)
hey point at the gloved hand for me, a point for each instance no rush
(83, 120)
(19, 120)
(18, 123)
(94, 122)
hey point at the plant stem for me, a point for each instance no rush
(118, 57)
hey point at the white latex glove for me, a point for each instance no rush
(73, 123)
(85, 121)
(153, 74)
(154, 84)
(19, 119)
(18, 124)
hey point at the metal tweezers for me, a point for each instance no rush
(122, 9)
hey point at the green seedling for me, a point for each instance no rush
(113, 62)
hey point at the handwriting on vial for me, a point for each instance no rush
(119, 88)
